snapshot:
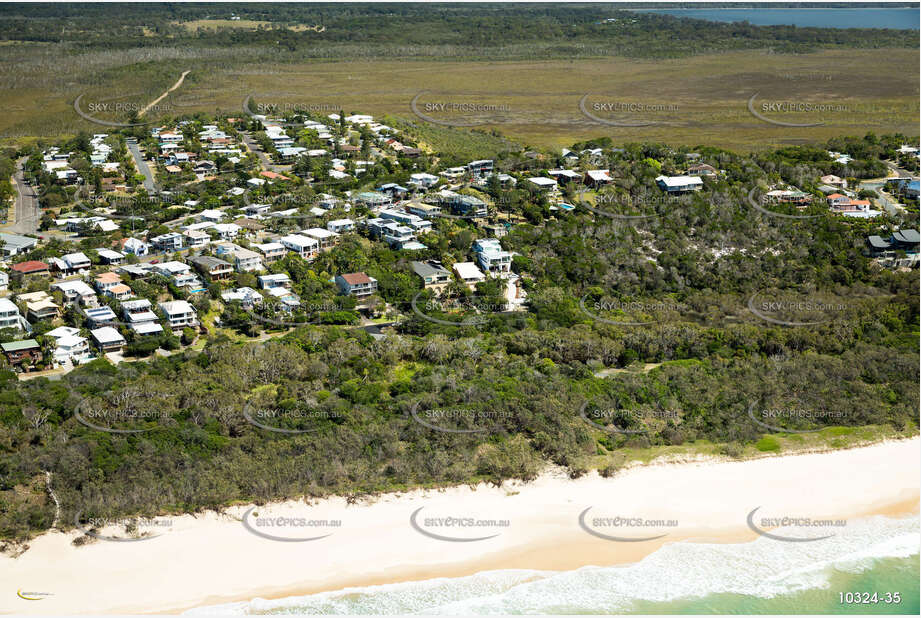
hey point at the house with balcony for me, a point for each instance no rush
(491, 257)
(325, 238)
(77, 292)
(179, 314)
(136, 247)
(271, 251)
(73, 264)
(22, 355)
(108, 339)
(10, 316)
(434, 276)
(165, 243)
(304, 246)
(180, 273)
(110, 257)
(358, 285)
(39, 306)
(483, 167)
(280, 280)
(71, 348)
(247, 261)
(341, 226)
(140, 317)
(195, 239)
(212, 268)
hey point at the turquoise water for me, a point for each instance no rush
(765, 576)
(896, 18)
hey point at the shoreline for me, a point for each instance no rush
(202, 556)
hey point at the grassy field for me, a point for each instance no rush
(699, 100)
(241, 24)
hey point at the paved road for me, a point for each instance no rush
(28, 214)
(149, 183)
(256, 148)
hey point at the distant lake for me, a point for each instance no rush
(895, 18)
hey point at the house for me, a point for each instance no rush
(108, 256)
(469, 273)
(598, 178)
(30, 268)
(491, 257)
(10, 316)
(14, 244)
(179, 272)
(108, 339)
(902, 240)
(248, 297)
(463, 205)
(100, 316)
(39, 306)
(171, 241)
(119, 292)
(565, 176)
(104, 281)
(250, 226)
(140, 317)
(195, 239)
(423, 180)
(543, 184)
(71, 348)
(73, 263)
(834, 181)
(246, 261)
(340, 226)
(325, 238)
(211, 267)
(23, 354)
(304, 246)
(179, 313)
(267, 282)
(271, 251)
(226, 231)
(77, 292)
(483, 167)
(135, 247)
(424, 211)
(358, 285)
(211, 216)
(4, 280)
(679, 184)
(287, 300)
(434, 276)
(701, 169)
(836, 200)
(784, 196)
(373, 200)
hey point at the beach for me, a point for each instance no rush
(550, 524)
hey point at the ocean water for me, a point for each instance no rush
(764, 576)
(898, 18)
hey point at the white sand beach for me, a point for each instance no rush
(209, 559)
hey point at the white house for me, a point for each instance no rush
(179, 314)
(108, 339)
(679, 184)
(469, 273)
(304, 246)
(340, 226)
(271, 251)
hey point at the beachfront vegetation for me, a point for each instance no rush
(434, 404)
